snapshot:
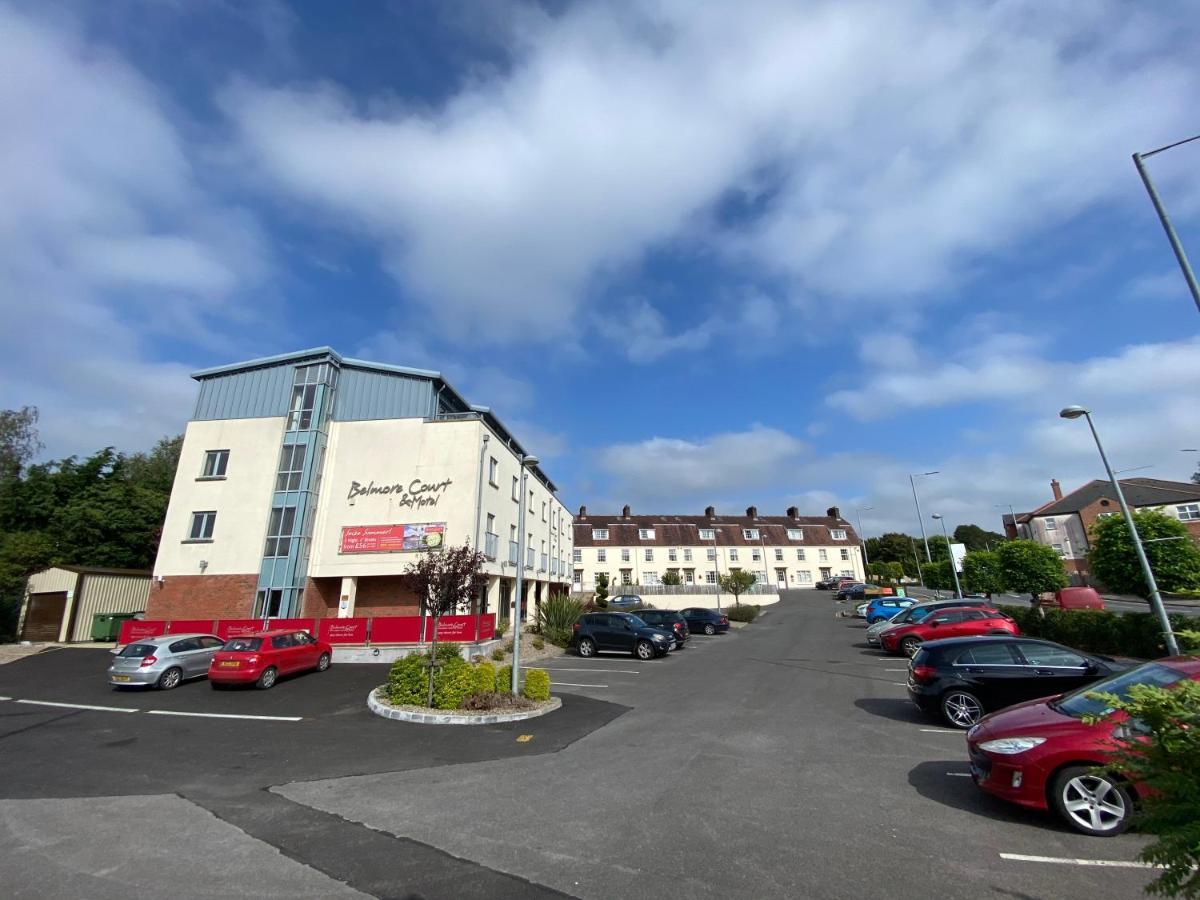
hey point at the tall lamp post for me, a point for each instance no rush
(527, 462)
(1074, 412)
(920, 518)
(1012, 512)
(862, 536)
(1188, 275)
(953, 568)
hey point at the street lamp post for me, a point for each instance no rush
(1012, 512)
(527, 462)
(1176, 246)
(920, 518)
(862, 537)
(953, 568)
(1074, 412)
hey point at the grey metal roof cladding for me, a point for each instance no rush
(1138, 492)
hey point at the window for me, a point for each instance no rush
(733, 553)
(750, 534)
(646, 534)
(279, 531)
(649, 555)
(1050, 656)
(491, 524)
(215, 462)
(291, 467)
(304, 396)
(601, 555)
(711, 553)
(1058, 548)
(987, 655)
(673, 555)
(516, 491)
(760, 576)
(543, 510)
(649, 578)
(531, 499)
(599, 534)
(1051, 524)
(838, 534)
(800, 554)
(689, 576)
(512, 533)
(493, 472)
(707, 534)
(795, 534)
(626, 576)
(778, 555)
(1189, 512)
(577, 555)
(710, 577)
(687, 555)
(202, 526)
(845, 553)
(625, 554)
(756, 555)
(822, 556)
(804, 577)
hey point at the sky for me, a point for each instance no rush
(769, 253)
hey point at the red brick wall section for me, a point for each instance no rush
(321, 597)
(201, 596)
(384, 596)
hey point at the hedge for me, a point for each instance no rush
(483, 678)
(504, 680)
(747, 612)
(408, 679)
(1098, 631)
(537, 684)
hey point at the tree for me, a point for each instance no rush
(1163, 753)
(894, 547)
(983, 573)
(737, 583)
(975, 538)
(444, 580)
(1174, 559)
(937, 575)
(671, 578)
(602, 589)
(1031, 568)
(18, 440)
(886, 571)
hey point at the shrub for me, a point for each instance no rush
(1097, 631)
(502, 628)
(1174, 559)
(557, 617)
(449, 651)
(537, 684)
(538, 643)
(504, 680)
(747, 613)
(454, 679)
(508, 647)
(672, 578)
(601, 590)
(408, 680)
(497, 654)
(1028, 567)
(483, 677)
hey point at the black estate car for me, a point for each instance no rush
(962, 679)
(620, 632)
(707, 620)
(667, 620)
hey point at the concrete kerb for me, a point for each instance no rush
(450, 717)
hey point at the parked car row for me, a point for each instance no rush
(646, 633)
(260, 659)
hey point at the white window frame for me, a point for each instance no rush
(756, 555)
(672, 555)
(687, 554)
(1050, 523)
(800, 554)
(601, 555)
(711, 554)
(838, 534)
(646, 534)
(494, 472)
(577, 555)
(710, 577)
(216, 464)
(599, 534)
(207, 520)
(733, 554)
(707, 534)
(778, 554)
(625, 555)
(845, 554)
(649, 555)
(795, 534)
(822, 556)
(750, 534)
(1188, 512)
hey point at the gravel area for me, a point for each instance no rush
(529, 653)
(521, 705)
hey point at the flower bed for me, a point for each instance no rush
(379, 704)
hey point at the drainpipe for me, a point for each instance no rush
(479, 521)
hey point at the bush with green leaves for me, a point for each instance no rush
(483, 677)
(601, 597)
(747, 613)
(537, 685)
(504, 680)
(1165, 758)
(557, 617)
(497, 654)
(453, 680)
(937, 575)
(502, 628)
(672, 578)
(1174, 559)
(1031, 568)
(983, 572)
(1098, 631)
(408, 680)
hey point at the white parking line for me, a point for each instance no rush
(960, 774)
(1110, 863)
(120, 709)
(200, 715)
(5, 698)
(895, 670)
(900, 683)
(940, 731)
(587, 669)
(573, 684)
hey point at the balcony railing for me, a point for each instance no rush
(545, 563)
(491, 545)
(554, 567)
(513, 551)
(530, 558)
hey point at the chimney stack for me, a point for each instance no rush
(710, 511)
(752, 512)
(583, 512)
(1056, 488)
(625, 510)
(793, 512)
(833, 512)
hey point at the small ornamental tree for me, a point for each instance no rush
(737, 583)
(937, 575)
(444, 580)
(601, 589)
(1031, 568)
(983, 573)
(1174, 559)
(671, 578)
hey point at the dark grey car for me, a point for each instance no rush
(163, 662)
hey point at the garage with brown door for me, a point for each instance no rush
(43, 616)
(61, 602)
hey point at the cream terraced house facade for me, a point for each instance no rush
(308, 482)
(784, 552)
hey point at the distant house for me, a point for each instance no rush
(61, 602)
(1065, 521)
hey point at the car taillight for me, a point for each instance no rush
(148, 661)
(575, 627)
(724, 620)
(923, 674)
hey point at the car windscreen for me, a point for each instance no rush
(242, 645)
(635, 621)
(138, 651)
(1079, 704)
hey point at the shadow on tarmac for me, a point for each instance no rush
(896, 709)
(930, 779)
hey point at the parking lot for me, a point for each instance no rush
(779, 760)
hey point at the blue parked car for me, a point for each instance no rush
(885, 607)
(624, 601)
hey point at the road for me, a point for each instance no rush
(781, 760)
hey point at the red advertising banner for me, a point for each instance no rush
(309, 625)
(451, 628)
(136, 629)
(395, 629)
(392, 538)
(487, 627)
(343, 631)
(227, 628)
(190, 626)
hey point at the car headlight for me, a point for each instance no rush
(1011, 746)
(660, 637)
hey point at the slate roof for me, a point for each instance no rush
(1138, 492)
(684, 531)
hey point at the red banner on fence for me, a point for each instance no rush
(136, 629)
(343, 631)
(451, 628)
(487, 627)
(227, 628)
(309, 625)
(190, 626)
(395, 629)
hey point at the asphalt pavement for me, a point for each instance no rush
(780, 760)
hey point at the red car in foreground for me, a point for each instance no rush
(260, 659)
(951, 622)
(1042, 755)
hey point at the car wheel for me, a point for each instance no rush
(587, 647)
(323, 662)
(170, 679)
(1095, 804)
(910, 645)
(961, 709)
(710, 628)
(644, 650)
(266, 680)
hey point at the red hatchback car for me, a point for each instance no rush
(1042, 755)
(262, 658)
(953, 621)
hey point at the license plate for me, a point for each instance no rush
(229, 664)
(120, 677)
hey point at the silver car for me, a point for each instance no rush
(163, 662)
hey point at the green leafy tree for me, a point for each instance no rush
(975, 538)
(983, 572)
(671, 578)
(1163, 753)
(1031, 568)
(601, 589)
(19, 441)
(897, 548)
(737, 583)
(1174, 559)
(937, 575)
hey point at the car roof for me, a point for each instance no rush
(959, 609)
(1188, 664)
(170, 638)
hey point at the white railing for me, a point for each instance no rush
(513, 553)
(491, 545)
